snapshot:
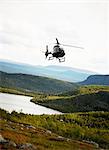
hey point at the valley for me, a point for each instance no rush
(84, 99)
(83, 124)
(54, 75)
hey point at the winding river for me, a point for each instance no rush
(20, 103)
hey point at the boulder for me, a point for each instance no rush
(27, 146)
(2, 140)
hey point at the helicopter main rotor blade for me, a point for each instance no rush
(57, 41)
(72, 46)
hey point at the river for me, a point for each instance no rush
(18, 103)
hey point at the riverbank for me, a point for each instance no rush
(18, 92)
(90, 127)
(39, 96)
(19, 103)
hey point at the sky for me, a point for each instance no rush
(27, 26)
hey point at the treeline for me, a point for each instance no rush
(18, 92)
(86, 89)
(84, 99)
(91, 127)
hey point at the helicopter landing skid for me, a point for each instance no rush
(50, 58)
(62, 59)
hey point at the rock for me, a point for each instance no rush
(95, 144)
(59, 138)
(27, 146)
(68, 139)
(61, 120)
(48, 131)
(11, 143)
(31, 127)
(6, 143)
(22, 125)
(2, 140)
(92, 142)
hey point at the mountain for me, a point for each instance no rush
(33, 83)
(96, 80)
(58, 72)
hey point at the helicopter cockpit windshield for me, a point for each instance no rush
(56, 49)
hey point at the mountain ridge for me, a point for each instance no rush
(34, 83)
(96, 80)
(53, 71)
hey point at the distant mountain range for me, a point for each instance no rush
(31, 83)
(57, 72)
(96, 80)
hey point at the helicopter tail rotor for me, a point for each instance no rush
(46, 53)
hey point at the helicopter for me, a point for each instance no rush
(58, 52)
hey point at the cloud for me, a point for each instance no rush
(11, 38)
(26, 28)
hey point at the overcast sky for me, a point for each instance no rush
(27, 26)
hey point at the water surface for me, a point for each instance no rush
(20, 103)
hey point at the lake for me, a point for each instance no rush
(20, 103)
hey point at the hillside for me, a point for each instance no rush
(77, 131)
(20, 135)
(82, 103)
(90, 98)
(96, 80)
(58, 72)
(32, 83)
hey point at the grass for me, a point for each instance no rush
(92, 89)
(90, 126)
(20, 133)
(17, 91)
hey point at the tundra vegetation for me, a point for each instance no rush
(57, 131)
(84, 99)
(84, 125)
